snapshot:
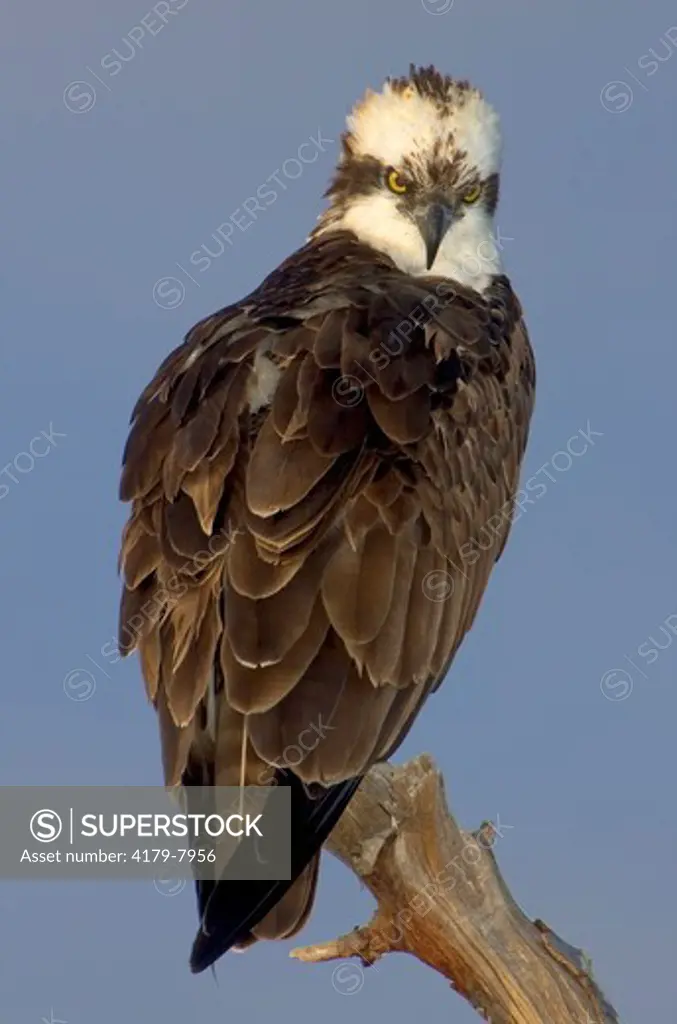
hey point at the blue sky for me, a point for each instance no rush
(109, 182)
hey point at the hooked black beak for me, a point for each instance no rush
(433, 226)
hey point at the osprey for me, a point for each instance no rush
(322, 477)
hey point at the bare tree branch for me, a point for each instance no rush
(441, 898)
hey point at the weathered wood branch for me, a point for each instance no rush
(441, 897)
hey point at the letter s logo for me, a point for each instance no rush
(46, 826)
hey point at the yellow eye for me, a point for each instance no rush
(395, 183)
(472, 195)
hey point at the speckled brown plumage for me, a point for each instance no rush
(282, 564)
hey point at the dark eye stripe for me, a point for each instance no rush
(361, 176)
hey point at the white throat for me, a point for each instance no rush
(468, 253)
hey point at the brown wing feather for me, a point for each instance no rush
(306, 564)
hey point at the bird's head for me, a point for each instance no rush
(418, 177)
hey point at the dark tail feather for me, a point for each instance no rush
(229, 910)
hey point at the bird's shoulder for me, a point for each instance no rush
(336, 352)
(333, 275)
